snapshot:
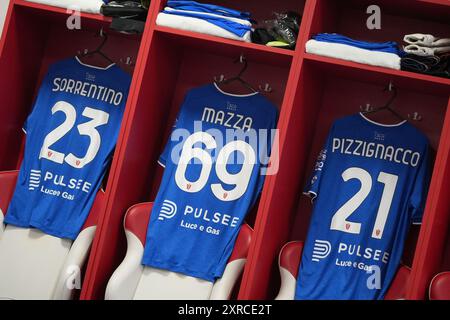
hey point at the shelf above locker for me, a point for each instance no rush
(414, 81)
(273, 56)
(58, 14)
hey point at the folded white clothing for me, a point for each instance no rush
(89, 6)
(425, 51)
(197, 25)
(354, 54)
(426, 40)
(237, 20)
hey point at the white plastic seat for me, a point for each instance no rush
(34, 265)
(133, 281)
(289, 262)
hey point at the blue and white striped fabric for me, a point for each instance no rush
(207, 8)
(233, 21)
(236, 28)
(389, 47)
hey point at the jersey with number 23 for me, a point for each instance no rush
(71, 134)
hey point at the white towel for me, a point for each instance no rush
(89, 6)
(198, 25)
(354, 54)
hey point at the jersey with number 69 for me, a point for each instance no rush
(370, 183)
(214, 165)
(71, 134)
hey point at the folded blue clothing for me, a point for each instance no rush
(208, 8)
(390, 47)
(236, 28)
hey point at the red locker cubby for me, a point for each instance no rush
(175, 61)
(35, 36)
(330, 88)
(310, 91)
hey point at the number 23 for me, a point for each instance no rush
(86, 129)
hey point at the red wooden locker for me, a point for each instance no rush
(310, 91)
(174, 61)
(327, 89)
(34, 36)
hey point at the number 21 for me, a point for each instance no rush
(340, 222)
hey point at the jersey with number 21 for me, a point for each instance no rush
(370, 184)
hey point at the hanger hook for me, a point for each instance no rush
(98, 50)
(415, 116)
(393, 89)
(104, 35)
(219, 79)
(265, 88)
(391, 86)
(242, 60)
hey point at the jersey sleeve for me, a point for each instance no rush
(26, 124)
(45, 87)
(31, 118)
(166, 154)
(312, 188)
(168, 148)
(420, 189)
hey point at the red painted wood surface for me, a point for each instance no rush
(310, 91)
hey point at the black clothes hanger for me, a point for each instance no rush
(238, 77)
(387, 106)
(98, 50)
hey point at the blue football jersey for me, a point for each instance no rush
(370, 183)
(214, 163)
(71, 134)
